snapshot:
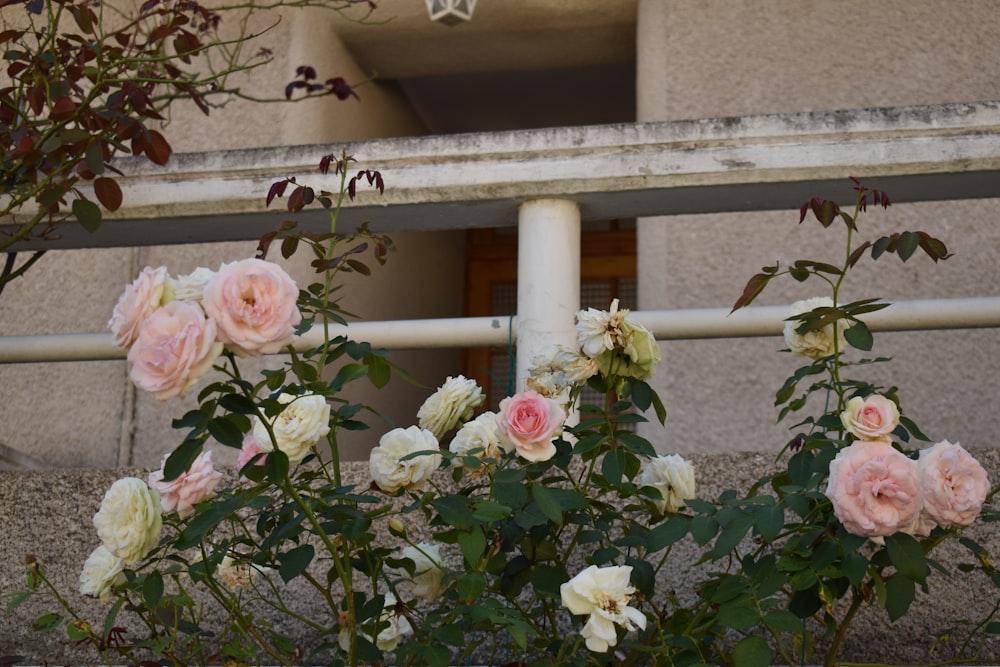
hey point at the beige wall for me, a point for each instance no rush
(722, 57)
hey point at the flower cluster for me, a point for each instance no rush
(175, 329)
(617, 343)
(876, 490)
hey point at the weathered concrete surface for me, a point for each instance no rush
(48, 514)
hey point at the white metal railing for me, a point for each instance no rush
(682, 324)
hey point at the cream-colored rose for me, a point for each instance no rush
(129, 520)
(394, 626)
(555, 372)
(388, 469)
(296, 429)
(428, 571)
(814, 344)
(673, 477)
(596, 330)
(451, 405)
(176, 345)
(870, 418)
(147, 292)
(101, 573)
(255, 306)
(955, 484)
(636, 353)
(480, 438)
(603, 595)
(191, 287)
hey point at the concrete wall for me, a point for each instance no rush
(722, 57)
(88, 414)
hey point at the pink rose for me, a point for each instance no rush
(192, 487)
(176, 345)
(137, 302)
(254, 305)
(530, 421)
(870, 418)
(874, 488)
(954, 484)
(250, 449)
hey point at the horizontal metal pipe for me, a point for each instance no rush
(686, 324)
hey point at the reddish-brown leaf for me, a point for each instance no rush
(755, 286)
(108, 193)
(36, 97)
(63, 109)
(157, 150)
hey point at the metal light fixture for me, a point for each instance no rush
(451, 12)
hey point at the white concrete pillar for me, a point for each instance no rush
(548, 278)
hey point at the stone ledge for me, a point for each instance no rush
(48, 514)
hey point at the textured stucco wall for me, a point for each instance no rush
(717, 58)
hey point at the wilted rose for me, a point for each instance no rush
(955, 484)
(190, 488)
(394, 626)
(449, 406)
(129, 520)
(237, 575)
(814, 344)
(673, 477)
(870, 418)
(428, 571)
(254, 304)
(875, 489)
(531, 421)
(388, 469)
(176, 345)
(304, 420)
(147, 292)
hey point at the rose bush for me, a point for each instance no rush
(517, 536)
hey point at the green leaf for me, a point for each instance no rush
(16, 599)
(152, 589)
(181, 459)
(899, 594)
(276, 466)
(87, 214)
(859, 336)
(225, 430)
(470, 586)
(548, 578)
(454, 511)
(238, 404)
(642, 395)
(907, 244)
(379, 370)
(47, 622)
(738, 614)
(667, 533)
(661, 412)
(613, 466)
(784, 621)
(907, 556)
(547, 503)
(294, 562)
(703, 529)
(752, 651)
(732, 534)
(473, 544)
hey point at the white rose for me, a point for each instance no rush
(428, 572)
(480, 436)
(101, 573)
(451, 404)
(398, 626)
(602, 594)
(814, 344)
(391, 473)
(305, 420)
(190, 287)
(673, 477)
(129, 520)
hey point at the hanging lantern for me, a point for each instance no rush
(451, 12)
